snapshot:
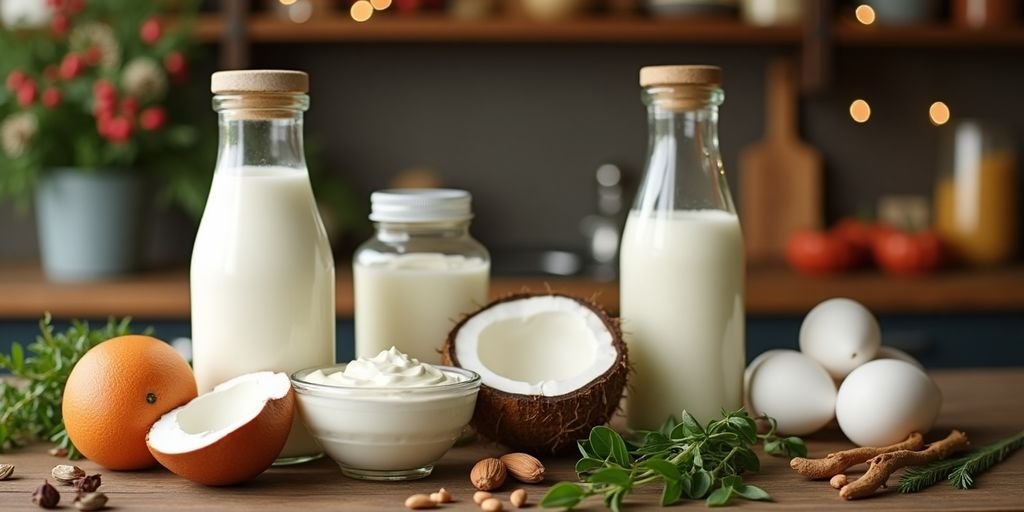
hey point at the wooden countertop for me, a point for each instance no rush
(976, 401)
(25, 293)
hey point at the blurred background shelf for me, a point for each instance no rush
(927, 36)
(26, 294)
(439, 28)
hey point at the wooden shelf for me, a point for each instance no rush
(25, 294)
(266, 28)
(853, 34)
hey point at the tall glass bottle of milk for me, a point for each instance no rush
(682, 263)
(419, 274)
(262, 277)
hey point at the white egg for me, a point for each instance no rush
(841, 334)
(753, 367)
(794, 389)
(885, 352)
(883, 401)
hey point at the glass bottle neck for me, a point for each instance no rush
(261, 130)
(684, 168)
(260, 142)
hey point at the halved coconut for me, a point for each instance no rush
(228, 435)
(551, 367)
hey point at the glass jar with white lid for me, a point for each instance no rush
(419, 273)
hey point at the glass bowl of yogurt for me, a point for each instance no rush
(389, 417)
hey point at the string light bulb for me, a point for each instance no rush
(361, 10)
(865, 14)
(380, 5)
(938, 113)
(860, 111)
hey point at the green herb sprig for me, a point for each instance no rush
(30, 403)
(960, 471)
(688, 459)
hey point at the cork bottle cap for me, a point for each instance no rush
(259, 81)
(681, 75)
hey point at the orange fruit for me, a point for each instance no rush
(117, 391)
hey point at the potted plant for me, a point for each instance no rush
(87, 128)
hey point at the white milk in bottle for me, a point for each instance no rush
(262, 274)
(682, 262)
(419, 274)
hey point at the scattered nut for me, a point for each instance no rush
(480, 496)
(46, 496)
(66, 474)
(6, 470)
(518, 498)
(91, 501)
(88, 483)
(838, 481)
(58, 452)
(488, 474)
(524, 467)
(419, 501)
(491, 505)
(441, 496)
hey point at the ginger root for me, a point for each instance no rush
(883, 466)
(836, 463)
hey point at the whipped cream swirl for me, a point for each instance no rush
(389, 369)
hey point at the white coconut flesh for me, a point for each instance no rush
(213, 415)
(546, 345)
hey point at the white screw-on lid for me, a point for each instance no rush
(420, 205)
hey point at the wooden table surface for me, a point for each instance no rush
(987, 404)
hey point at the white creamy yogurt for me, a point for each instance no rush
(389, 369)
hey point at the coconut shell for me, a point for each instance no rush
(547, 424)
(240, 455)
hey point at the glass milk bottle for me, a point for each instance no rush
(419, 274)
(682, 263)
(262, 277)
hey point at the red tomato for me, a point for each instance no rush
(819, 252)
(908, 254)
(858, 234)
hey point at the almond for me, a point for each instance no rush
(488, 474)
(480, 496)
(524, 467)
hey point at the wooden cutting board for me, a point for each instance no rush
(781, 179)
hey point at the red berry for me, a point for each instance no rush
(27, 93)
(152, 119)
(75, 6)
(151, 30)
(92, 55)
(51, 97)
(71, 66)
(51, 73)
(176, 66)
(129, 107)
(118, 129)
(59, 24)
(15, 80)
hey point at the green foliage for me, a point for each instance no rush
(687, 459)
(31, 402)
(960, 471)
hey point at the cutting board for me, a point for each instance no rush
(780, 176)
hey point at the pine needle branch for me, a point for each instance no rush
(962, 470)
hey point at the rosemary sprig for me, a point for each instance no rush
(689, 461)
(962, 470)
(30, 403)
